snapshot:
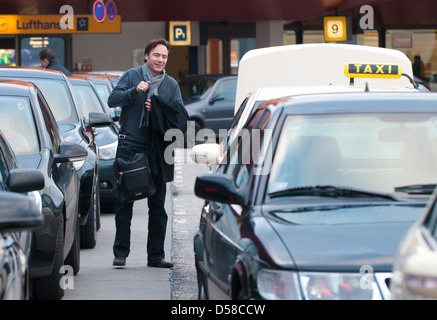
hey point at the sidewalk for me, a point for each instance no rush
(99, 280)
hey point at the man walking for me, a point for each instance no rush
(47, 58)
(151, 103)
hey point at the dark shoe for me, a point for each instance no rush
(160, 264)
(119, 262)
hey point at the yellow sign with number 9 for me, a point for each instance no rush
(335, 29)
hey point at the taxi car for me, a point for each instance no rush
(106, 139)
(315, 218)
(34, 135)
(20, 214)
(292, 76)
(414, 271)
(316, 197)
(104, 84)
(57, 90)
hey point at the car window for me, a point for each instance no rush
(377, 152)
(245, 153)
(4, 171)
(195, 89)
(57, 95)
(227, 89)
(243, 113)
(103, 91)
(18, 124)
(50, 124)
(87, 99)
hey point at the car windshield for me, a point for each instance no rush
(382, 153)
(18, 125)
(103, 91)
(195, 89)
(58, 97)
(87, 99)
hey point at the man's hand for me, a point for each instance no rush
(143, 86)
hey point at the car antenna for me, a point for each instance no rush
(414, 83)
(367, 87)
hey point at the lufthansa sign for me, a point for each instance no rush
(44, 24)
(372, 70)
(180, 33)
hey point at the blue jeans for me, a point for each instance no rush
(157, 224)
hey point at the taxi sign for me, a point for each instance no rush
(373, 70)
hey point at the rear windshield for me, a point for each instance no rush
(58, 97)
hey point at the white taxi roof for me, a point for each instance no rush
(314, 66)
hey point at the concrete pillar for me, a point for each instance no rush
(269, 33)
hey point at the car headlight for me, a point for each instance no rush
(339, 286)
(108, 151)
(278, 285)
(291, 285)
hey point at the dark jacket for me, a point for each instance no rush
(56, 65)
(168, 112)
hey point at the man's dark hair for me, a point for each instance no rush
(153, 43)
(47, 53)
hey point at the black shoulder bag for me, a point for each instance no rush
(134, 178)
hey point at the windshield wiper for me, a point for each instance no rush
(417, 188)
(330, 191)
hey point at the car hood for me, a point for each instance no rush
(342, 237)
(105, 135)
(70, 132)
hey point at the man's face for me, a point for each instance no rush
(157, 59)
(44, 62)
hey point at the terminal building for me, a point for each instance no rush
(209, 36)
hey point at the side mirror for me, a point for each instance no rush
(25, 180)
(420, 274)
(216, 98)
(70, 151)
(206, 153)
(218, 187)
(98, 120)
(19, 212)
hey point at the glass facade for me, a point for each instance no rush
(420, 46)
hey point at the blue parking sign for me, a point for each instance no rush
(180, 33)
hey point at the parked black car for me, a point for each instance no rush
(106, 139)
(315, 197)
(210, 102)
(20, 213)
(58, 92)
(32, 131)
